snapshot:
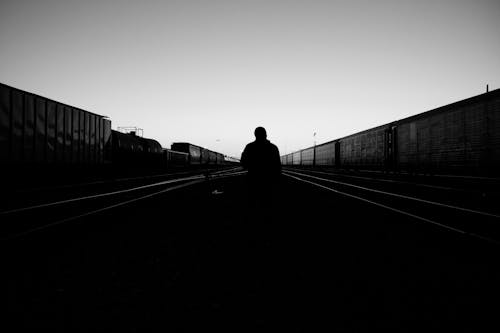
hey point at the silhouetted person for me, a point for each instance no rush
(262, 160)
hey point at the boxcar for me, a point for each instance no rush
(462, 137)
(296, 158)
(459, 137)
(127, 149)
(307, 156)
(174, 159)
(193, 151)
(212, 157)
(38, 130)
(199, 155)
(326, 154)
(364, 149)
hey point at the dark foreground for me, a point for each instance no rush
(191, 260)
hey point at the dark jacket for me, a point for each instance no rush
(262, 160)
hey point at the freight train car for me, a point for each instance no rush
(193, 151)
(462, 137)
(131, 151)
(175, 159)
(35, 130)
(364, 149)
(199, 155)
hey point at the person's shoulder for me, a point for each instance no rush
(249, 146)
(253, 144)
(273, 145)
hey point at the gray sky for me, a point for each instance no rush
(209, 72)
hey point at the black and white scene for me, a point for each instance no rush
(250, 165)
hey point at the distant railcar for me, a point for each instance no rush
(199, 155)
(462, 138)
(220, 159)
(153, 152)
(130, 150)
(212, 157)
(205, 156)
(193, 151)
(175, 159)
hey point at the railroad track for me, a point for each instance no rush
(472, 222)
(28, 219)
(23, 197)
(482, 196)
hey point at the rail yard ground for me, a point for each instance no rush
(199, 258)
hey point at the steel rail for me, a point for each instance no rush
(441, 225)
(401, 196)
(385, 180)
(118, 180)
(438, 175)
(94, 196)
(71, 218)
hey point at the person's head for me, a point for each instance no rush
(260, 133)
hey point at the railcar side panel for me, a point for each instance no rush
(81, 136)
(51, 131)
(195, 154)
(307, 156)
(406, 151)
(493, 133)
(59, 133)
(97, 122)
(476, 136)
(75, 149)
(29, 128)
(98, 138)
(40, 131)
(176, 158)
(68, 137)
(212, 157)
(92, 135)
(347, 151)
(296, 158)
(17, 126)
(220, 158)
(107, 140)
(423, 157)
(376, 151)
(4, 123)
(205, 156)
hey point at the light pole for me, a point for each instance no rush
(314, 150)
(217, 163)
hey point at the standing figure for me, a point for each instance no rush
(262, 160)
